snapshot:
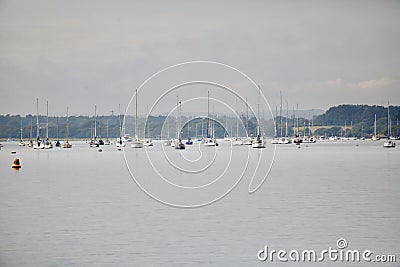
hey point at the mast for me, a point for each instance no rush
(21, 130)
(375, 126)
(47, 120)
(287, 115)
(298, 132)
(95, 122)
(276, 123)
(388, 123)
(136, 117)
(67, 127)
(107, 129)
(208, 113)
(37, 119)
(119, 122)
(30, 133)
(58, 131)
(280, 114)
(177, 117)
(247, 118)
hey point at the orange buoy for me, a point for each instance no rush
(16, 164)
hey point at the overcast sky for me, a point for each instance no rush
(85, 53)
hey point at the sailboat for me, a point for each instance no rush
(389, 142)
(136, 143)
(67, 144)
(178, 144)
(94, 142)
(237, 141)
(210, 139)
(259, 141)
(189, 140)
(38, 144)
(21, 141)
(47, 142)
(107, 142)
(58, 144)
(30, 144)
(120, 140)
(375, 137)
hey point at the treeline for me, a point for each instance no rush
(361, 117)
(332, 122)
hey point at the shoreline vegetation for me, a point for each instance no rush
(342, 120)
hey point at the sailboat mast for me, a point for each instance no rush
(47, 119)
(297, 115)
(375, 125)
(37, 118)
(208, 113)
(95, 122)
(280, 114)
(30, 133)
(21, 129)
(287, 115)
(136, 116)
(247, 118)
(388, 122)
(67, 126)
(177, 117)
(119, 121)
(107, 129)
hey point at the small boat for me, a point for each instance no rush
(178, 144)
(47, 143)
(21, 141)
(136, 142)
(259, 142)
(189, 142)
(148, 142)
(237, 141)
(38, 144)
(107, 142)
(375, 137)
(67, 144)
(390, 143)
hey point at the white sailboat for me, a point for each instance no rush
(38, 144)
(237, 141)
(390, 143)
(107, 142)
(67, 144)
(136, 142)
(21, 141)
(94, 142)
(375, 137)
(120, 140)
(210, 139)
(30, 144)
(259, 141)
(58, 144)
(47, 142)
(178, 144)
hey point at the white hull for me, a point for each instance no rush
(389, 144)
(137, 144)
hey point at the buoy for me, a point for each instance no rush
(16, 164)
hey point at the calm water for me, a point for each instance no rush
(80, 207)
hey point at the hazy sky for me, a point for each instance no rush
(85, 53)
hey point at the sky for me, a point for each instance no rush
(85, 53)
